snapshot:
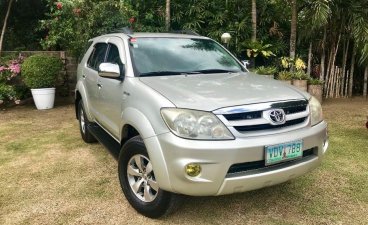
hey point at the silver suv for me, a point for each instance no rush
(187, 118)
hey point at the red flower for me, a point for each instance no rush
(59, 5)
(131, 20)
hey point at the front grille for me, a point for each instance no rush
(256, 165)
(269, 126)
(250, 119)
(258, 114)
(244, 116)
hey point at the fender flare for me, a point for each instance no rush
(140, 122)
(83, 93)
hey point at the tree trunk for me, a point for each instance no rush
(254, 20)
(365, 82)
(347, 83)
(329, 73)
(4, 25)
(323, 55)
(167, 16)
(352, 67)
(331, 68)
(310, 55)
(344, 60)
(294, 15)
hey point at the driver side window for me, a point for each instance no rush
(113, 55)
(98, 56)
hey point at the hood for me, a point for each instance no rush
(209, 92)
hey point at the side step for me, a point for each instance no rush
(105, 139)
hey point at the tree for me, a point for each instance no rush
(315, 16)
(167, 15)
(254, 20)
(71, 24)
(294, 18)
(365, 82)
(4, 25)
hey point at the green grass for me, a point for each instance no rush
(48, 175)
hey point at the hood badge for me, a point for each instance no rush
(276, 116)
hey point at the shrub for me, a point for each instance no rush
(285, 75)
(7, 92)
(262, 70)
(11, 86)
(300, 75)
(71, 23)
(314, 81)
(40, 71)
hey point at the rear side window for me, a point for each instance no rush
(85, 49)
(98, 56)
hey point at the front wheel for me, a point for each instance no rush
(83, 125)
(138, 182)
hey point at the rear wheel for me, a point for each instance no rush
(84, 125)
(138, 182)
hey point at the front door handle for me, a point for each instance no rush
(99, 86)
(84, 76)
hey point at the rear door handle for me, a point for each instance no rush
(84, 76)
(99, 86)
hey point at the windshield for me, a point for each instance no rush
(174, 56)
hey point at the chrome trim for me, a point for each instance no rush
(264, 120)
(239, 134)
(260, 121)
(258, 107)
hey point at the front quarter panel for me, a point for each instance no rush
(84, 96)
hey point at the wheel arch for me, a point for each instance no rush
(81, 94)
(136, 123)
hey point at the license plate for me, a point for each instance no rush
(283, 152)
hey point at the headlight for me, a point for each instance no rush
(194, 124)
(316, 111)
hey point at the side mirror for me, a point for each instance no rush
(109, 70)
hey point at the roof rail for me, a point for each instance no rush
(125, 30)
(189, 32)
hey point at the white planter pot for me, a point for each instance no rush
(44, 98)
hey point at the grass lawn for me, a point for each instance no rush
(48, 175)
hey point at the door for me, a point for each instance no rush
(90, 75)
(111, 95)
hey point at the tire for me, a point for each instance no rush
(84, 125)
(139, 184)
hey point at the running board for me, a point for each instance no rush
(105, 139)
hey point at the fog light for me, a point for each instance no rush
(193, 170)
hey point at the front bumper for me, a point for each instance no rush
(216, 157)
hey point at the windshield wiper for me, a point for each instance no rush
(167, 73)
(214, 71)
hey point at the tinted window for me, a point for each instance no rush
(113, 56)
(152, 55)
(98, 56)
(85, 49)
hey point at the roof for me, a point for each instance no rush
(153, 35)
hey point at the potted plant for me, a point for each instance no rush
(285, 76)
(40, 74)
(268, 72)
(315, 88)
(300, 80)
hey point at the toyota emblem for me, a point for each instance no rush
(277, 116)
